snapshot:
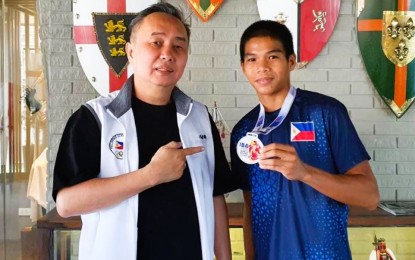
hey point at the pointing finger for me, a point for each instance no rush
(192, 150)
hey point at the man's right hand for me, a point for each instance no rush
(169, 162)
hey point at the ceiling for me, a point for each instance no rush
(26, 6)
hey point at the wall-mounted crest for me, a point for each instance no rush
(100, 33)
(386, 36)
(311, 23)
(204, 9)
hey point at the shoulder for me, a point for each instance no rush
(199, 105)
(102, 100)
(316, 98)
(83, 118)
(310, 99)
(248, 118)
(198, 111)
(246, 123)
(81, 114)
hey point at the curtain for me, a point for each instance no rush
(24, 94)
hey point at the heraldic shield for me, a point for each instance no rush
(100, 32)
(386, 36)
(112, 35)
(204, 9)
(311, 23)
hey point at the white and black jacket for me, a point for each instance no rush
(111, 233)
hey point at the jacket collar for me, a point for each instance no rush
(122, 102)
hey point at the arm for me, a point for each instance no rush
(356, 187)
(248, 243)
(222, 241)
(99, 193)
(166, 165)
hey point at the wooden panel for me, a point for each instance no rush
(26, 6)
(358, 217)
(36, 244)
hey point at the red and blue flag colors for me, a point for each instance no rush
(119, 145)
(302, 132)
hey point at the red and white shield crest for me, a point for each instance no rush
(311, 23)
(96, 66)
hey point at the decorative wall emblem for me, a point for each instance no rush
(311, 23)
(398, 37)
(100, 33)
(204, 9)
(112, 34)
(386, 36)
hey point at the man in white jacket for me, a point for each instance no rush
(144, 166)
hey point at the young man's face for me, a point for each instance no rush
(266, 67)
(158, 50)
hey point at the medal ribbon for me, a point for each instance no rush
(286, 106)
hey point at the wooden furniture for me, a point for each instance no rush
(51, 223)
(358, 217)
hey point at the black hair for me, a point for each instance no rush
(161, 8)
(268, 28)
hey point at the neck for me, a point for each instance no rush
(272, 103)
(154, 95)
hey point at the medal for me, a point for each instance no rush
(248, 148)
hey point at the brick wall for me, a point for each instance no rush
(213, 74)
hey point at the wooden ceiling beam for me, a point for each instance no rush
(24, 9)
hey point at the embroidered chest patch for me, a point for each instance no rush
(302, 132)
(116, 145)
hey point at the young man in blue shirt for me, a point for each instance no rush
(311, 163)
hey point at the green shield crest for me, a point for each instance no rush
(386, 37)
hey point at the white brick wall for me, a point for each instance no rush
(213, 74)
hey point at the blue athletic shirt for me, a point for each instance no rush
(291, 220)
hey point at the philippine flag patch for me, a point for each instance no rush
(302, 132)
(116, 145)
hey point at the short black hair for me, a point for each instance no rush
(159, 8)
(268, 28)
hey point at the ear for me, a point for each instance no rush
(129, 51)
(292, 61)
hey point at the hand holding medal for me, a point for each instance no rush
(249, 146)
